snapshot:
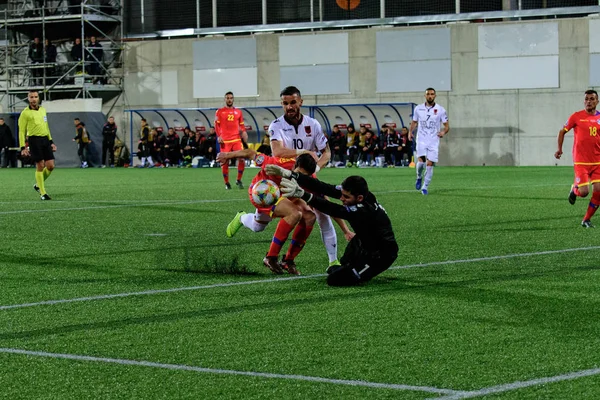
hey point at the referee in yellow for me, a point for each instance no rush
(33, 127)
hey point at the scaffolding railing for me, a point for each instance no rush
(86, 75)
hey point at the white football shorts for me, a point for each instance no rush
(428, 149)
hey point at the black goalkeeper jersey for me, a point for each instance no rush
(368, 219)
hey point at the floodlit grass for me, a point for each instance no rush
(454, 314)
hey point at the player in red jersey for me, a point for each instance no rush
(586, 153)
(295, 215)
(231, 134)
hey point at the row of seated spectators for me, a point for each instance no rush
(158, 150)
(361, 148)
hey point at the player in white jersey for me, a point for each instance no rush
(428, 118)
(294, 133)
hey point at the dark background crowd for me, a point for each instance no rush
(176, 149)
(362, 148)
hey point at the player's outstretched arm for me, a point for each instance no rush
(325, 157)
(413, 126)
(561, 139)
(445, 130)
(348, 234)
(276, 170)
(290, 188)
(316, 186)
(246, 153)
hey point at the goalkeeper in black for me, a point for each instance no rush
(373, 249)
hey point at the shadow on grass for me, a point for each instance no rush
(217, 266)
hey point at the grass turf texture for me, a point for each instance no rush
(461, 326)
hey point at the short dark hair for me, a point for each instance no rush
(231, 93)
(307, 162)
(34, 91)
(76, 119)
(591, 91)
(356, 185)
(2, 118)
(430, 88)
(290, 91)
(144, 119)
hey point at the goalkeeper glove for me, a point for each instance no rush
(276, 170)
(290, 188)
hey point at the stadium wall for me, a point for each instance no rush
(488, 127)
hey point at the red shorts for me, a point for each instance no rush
(586, 174)
(232, 146)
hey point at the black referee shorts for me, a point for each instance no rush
(40, 148)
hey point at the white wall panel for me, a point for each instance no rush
(594, 27)
(594, 69)
(518, 72)
(413, 45)
(230, 53)
(317, 79)
(518, 40)
(209, 83)
(414, 76)
(327, 48)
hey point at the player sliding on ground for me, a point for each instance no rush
(373, 249)
(295, 215)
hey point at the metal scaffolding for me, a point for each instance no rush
(92, 70)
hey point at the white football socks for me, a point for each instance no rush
(249, 222)
(328, 234)
(428, 176)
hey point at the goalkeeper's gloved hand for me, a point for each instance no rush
(276, 170)
(290, 188)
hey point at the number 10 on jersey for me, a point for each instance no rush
(299, 145)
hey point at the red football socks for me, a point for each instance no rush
(301, 233)
(281, 234)
(225, 169)
(241, 166)
(593, 206)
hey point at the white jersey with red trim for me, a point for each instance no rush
(430, 120)
(309, 135)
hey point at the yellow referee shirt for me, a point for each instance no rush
(33, 123)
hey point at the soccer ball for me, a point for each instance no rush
(265, 193)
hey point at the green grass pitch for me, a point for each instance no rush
(495, 286)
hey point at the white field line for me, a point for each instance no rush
(521, 384)
(144, 204)
(305, 378)
(475, 188)
(270, 280)
(21, 203)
